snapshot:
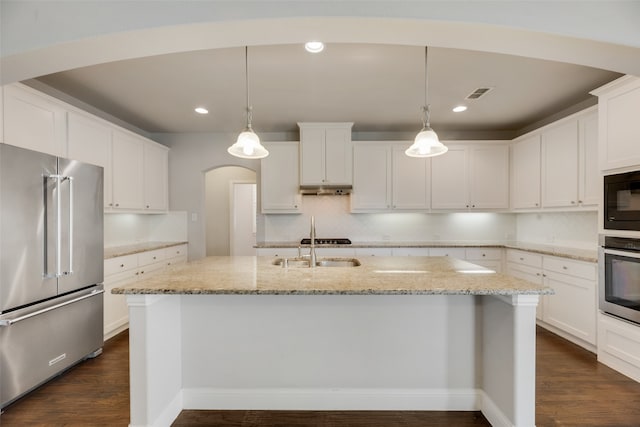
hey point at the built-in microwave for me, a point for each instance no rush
(622, 201)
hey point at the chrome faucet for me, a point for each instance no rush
(312, 249)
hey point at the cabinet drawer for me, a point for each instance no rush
(526, 258)
(147, 270)
(120, 264)
(452, 252)
(175, 251)
(573, 268)
(484, 253)
(150, 257)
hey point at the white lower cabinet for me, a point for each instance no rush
(124, 270)
(373, 252)
(571, 311)
(410, 251)
(573, 308)
(486, 257)
(527, 266)
(619, 345)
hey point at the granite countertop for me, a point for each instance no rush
(376, 276)
(560, 251)
(116, 251)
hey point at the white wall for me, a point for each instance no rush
(217, 186)
(190, 157)
(573, 229)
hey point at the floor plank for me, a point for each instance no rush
(572, 390)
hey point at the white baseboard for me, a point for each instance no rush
(492, 413)
(168, 415)
(332, 399)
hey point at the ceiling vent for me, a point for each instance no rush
(481, 91)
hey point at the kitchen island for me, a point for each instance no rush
(414, 333)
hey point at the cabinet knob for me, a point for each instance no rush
(564, 267)
(121, 265)
(147, 206)
(110, 204)
(484, 255)
(473, 206)
(579, 201)
(154, 257)
(295, 206)
(467, 205)
(142, 272)
(521, 259)
(536, 204)
(117, 204)
(573, 202)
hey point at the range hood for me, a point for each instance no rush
(325, 190)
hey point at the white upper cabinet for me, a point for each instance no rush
(135, 168)
(411, 183)
(525, 177)
(89, 141)
(560, 166)
(384, 178)
(489, 177)
(618, 123)
(474, 176)
(450, 180)
(589, 181)
(128, 174)
(34, 121)
(156, 176)
(279, 189)
(325, 154)
(371, 177)
(556, 166)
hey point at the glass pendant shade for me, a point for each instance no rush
(426, 144)
(248, 146)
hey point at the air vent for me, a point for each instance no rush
(481, 91)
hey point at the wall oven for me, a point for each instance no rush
(619, 260)
(622, 201)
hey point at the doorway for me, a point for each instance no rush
(219, 189)
(242, 225)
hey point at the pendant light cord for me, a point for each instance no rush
(425, 107)
(246, 77)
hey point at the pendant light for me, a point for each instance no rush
(426, 143)
(248, 145)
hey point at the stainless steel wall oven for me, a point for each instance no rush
(619, 260)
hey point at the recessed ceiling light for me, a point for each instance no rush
(201, 110)
(314, 47)
(459, 108)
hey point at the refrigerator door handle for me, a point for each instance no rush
(70, 269)
(56, 190)
(9, 322)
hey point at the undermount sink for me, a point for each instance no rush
(321, 262)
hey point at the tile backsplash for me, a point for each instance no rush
(334, 219)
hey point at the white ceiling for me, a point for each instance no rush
(378, 87)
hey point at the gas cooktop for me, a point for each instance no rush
(331, 241)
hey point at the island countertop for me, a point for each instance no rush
(375, 276)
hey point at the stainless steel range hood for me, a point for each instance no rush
(325, 190)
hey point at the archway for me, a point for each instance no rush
(219, 183)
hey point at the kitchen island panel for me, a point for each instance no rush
(330, 342)
(314, 352)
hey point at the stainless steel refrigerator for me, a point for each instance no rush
(51, 267)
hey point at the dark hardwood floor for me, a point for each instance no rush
(572, 390)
